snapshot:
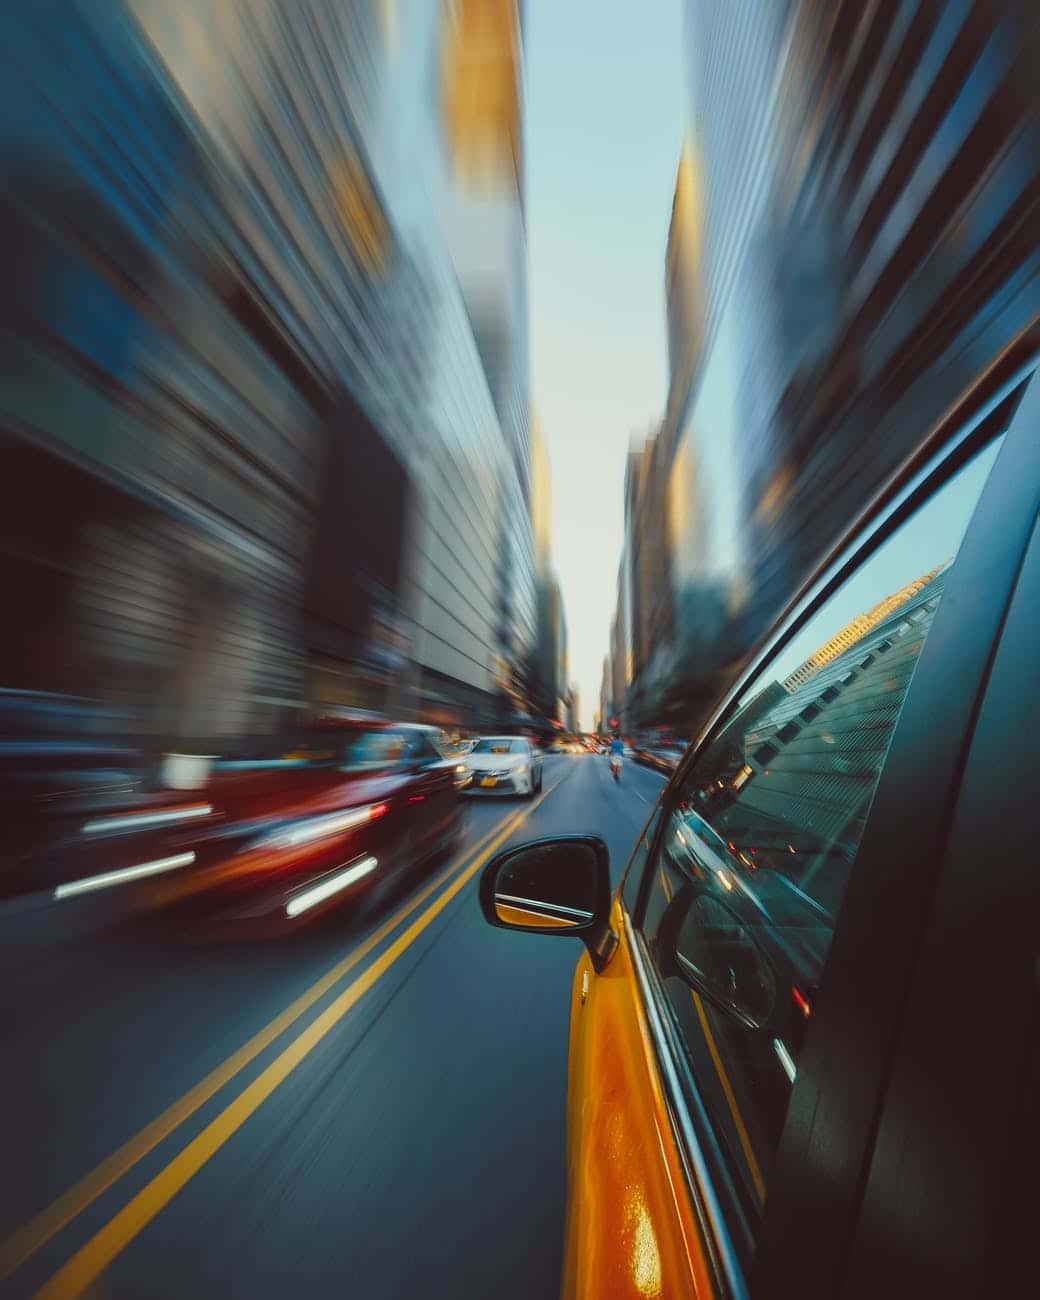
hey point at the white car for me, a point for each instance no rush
(503, 765)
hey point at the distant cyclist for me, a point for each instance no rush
(617, 750)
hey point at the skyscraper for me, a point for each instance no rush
(684, 278)
(541, 499)
(481, 57)
(297, 469)
(851, 309)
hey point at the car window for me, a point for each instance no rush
(498, 745)
(758, 842)
(428, 750)
(376, 749)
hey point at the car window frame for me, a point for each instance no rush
(900, 499)
(729, 1229)
(427, 753)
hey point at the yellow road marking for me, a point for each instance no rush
(91, 1260)
(727, 1088)
(45, 1225)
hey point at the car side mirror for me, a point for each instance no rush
(558, 886)
(705, 943)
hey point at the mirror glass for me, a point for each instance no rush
(717, 954)
(548, 887)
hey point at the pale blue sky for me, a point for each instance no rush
(606, 108)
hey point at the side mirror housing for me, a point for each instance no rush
(557, 886)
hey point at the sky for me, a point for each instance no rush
(606, 110)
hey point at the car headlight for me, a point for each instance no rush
(317, 828)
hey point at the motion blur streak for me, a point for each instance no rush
(87, 1265)
(124, 875)
(319, 827)
(312, 897)
(785, 1058)
(140, 820)
(38, 1231)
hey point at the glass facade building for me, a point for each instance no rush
(239, 348)
(868, 286)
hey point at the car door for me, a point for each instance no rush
(733, 1062)
(957, 1133)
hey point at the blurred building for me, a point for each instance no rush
(541, 499)
(183, 439)
(606, 699)
(620, 648)
(573, 718)
(561, 661)
(481, 80)
(548, 674)
(281, 434)
(863, 285)
(907, 157)
(549, 665)
(664, 512)
(648, 558)
(684, 282)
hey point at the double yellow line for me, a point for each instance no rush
(88, 1263)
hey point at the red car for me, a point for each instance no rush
(288, 841)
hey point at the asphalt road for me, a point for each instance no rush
(375, 1107)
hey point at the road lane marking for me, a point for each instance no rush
(91, 1260)
(45, 1225)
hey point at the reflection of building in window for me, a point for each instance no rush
(855, 631)
(811, 762)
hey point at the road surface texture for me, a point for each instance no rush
(373, 1107)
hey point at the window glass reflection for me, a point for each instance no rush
(756, 854)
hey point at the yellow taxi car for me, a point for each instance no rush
(803, 1035)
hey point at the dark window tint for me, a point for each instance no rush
(426, 749)
(376, 749)
(758, 844)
